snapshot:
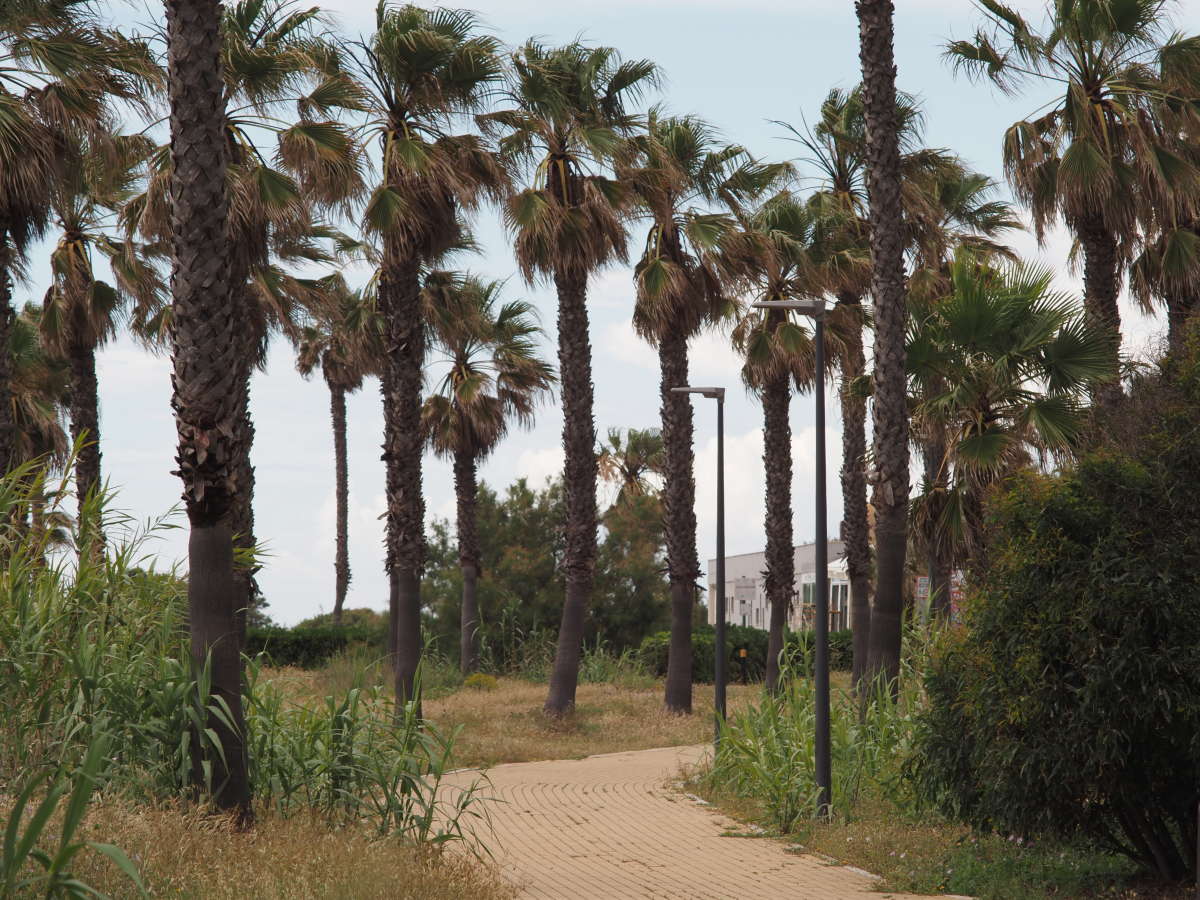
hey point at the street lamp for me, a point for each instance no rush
(718, 394)
(815, 309)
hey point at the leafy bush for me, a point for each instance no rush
(312, 646)
(1070, 702)
(654, 651)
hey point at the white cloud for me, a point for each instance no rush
(537, 465)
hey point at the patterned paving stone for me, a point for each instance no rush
(615, 826)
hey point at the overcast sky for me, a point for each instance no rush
(738, 64)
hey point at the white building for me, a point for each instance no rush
(746, 598)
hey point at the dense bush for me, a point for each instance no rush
(654, 649)
(1070, 702)
(312, 646)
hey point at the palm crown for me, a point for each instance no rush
(494, 377)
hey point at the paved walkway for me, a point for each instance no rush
(613, 826)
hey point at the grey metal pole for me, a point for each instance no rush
(719, 649)
(821, 663)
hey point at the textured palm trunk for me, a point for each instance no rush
(8, 428)
(85, 433)
(679, 508)
(400, 306)
(939, 563)
(856, 527)
(891, 476)
(85, 420)
(206, 387)
(1181, 310)
(241, 516)
(579, 484)
(466, 491)
(780, 556)
(341, 564)
(1101, 285)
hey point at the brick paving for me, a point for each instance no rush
(617, 826)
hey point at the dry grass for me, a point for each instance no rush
(191, 856)
(508, 725)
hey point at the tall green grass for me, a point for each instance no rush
(767, 752)
(94, 648)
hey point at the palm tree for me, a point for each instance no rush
(207, 383)
(494, 378)
(1100, 156)
(419, 70)
(1002, 366)
(570, 113)
(677, 170)
(80, 311)
(771, 258)
(890, 411)
(40, 389)
(273, 58)
(347, 344)
(60, 74)
(628, 461)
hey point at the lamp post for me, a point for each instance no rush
(815, 309)
(719, 677)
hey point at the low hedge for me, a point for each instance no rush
(654, 650)
(310, 647)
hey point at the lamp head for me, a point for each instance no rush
(814, 308)
(716, 393)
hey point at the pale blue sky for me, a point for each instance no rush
(739, 65)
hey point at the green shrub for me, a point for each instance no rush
(654, 651)
(481, 681)
(1070, 702)
(312, 646)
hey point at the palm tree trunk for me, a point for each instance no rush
(939, 563)
(780, 556)
(891, 477)
(8, 428)
(241, 515)
(1101, 284)
(85, 434)
(679, 509)
(206, 382)
(85, 421)
(579, 484)
(341, 565)
(1181, 309)
(856, 523)
(399, 303)
(466, 490)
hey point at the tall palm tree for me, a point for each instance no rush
(570, 112)
(81, 311)
(275, 60)
(206, 383)
(40, 390)
(61, 72)
(419, 71)
(494, 378)
(890, 411)
(629, 460)
(1002, 365)
(347, 344)
(1099, 156)
(772, 259)
(677, 171)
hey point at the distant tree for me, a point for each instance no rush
(346, 342)
(494, 379)
(628, 461)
